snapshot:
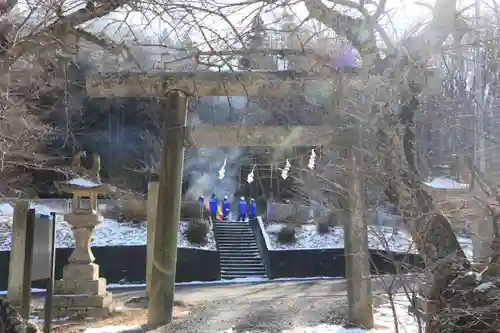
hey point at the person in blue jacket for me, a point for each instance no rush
(226, 208)
(242, 209)
(253, 208)
(212, 206)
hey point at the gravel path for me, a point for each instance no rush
(263, 308)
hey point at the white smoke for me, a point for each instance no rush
(202, 165)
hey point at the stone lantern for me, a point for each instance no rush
(81, 291)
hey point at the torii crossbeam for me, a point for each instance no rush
(177, 86)
(273, 84)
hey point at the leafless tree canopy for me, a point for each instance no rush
(407, 91)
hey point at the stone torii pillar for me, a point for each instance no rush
(175, 87)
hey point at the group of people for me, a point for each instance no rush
(221, 211)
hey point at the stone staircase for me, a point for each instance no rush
(239, 254)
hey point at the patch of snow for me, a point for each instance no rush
(484, 287)
(108, 233)
(110, 329)
(379, 237)
(383, 318)
(6, 209)
(219, 282)
(256, 280)
(325, 328)
(274, 228)
(446, 183)
(33, 290)
(82, 182)
(466, 244)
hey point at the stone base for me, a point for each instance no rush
(83, 305)
(80, 300)
(81, 272)
(90, 312)
(82, 293)
(88, 287)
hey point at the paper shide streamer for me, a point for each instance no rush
(250, 177)
(222, 171)
(312, 160)
(286, 169)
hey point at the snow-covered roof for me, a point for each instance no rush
(82, 182)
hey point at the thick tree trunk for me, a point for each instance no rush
(12, 322)
(444, 258)
(430, 230)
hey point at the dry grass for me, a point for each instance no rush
(128, 209)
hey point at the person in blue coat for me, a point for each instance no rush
(226, 208)
(253, 208)
(242, 209)
(212, 206)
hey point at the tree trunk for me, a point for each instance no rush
(431, 231)
(12, 322)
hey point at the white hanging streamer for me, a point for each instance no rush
(250, 177)
(286, 169)
(222, 171)
(312, 160)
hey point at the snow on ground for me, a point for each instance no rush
(379, 237)
(6, 209)
(108, 233)
(446, 183)
(383, 318)
(110, 329)
(308, 238)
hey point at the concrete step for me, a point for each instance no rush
(232, 225)
(228, 235)
(231, 237)
(234, 230)
(233, 222)
(242, 264)
(246, 257)
(229, 250)
(239, 256)
(238, 245)
(243, 268)
(239, 276)
(235, 240)
(219, 233)
(237, 250)
(237, 263)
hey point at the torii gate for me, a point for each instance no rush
(175, 87)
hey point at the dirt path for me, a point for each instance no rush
(264, 308)
(245, 308)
